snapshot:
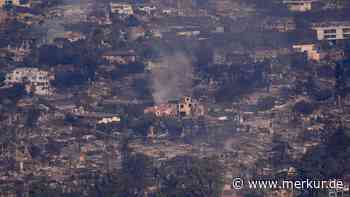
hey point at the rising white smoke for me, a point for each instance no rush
(173, 79)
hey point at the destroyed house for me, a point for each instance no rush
(285, 24)
(185, 107)
(120, 57)
(36, 81)
(162, 110)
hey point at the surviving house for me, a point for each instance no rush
(74, 36)
(188, 33)
(148, 9)
(316, 53)
(19, 3)
(36, 81)
(219, 56)
(310, 49)
(332, 30)
(121, 9)
(108, 120)
(299, 5)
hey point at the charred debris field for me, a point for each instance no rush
(174, 98)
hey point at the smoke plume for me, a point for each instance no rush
(173, 78)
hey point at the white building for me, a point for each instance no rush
(113, 119)
(310, 49)
(299, 5)
(36, 81)
(18, 3)
(122, 8)
(147, 9)
(332, 31)
(219, 57)
(74, 36)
